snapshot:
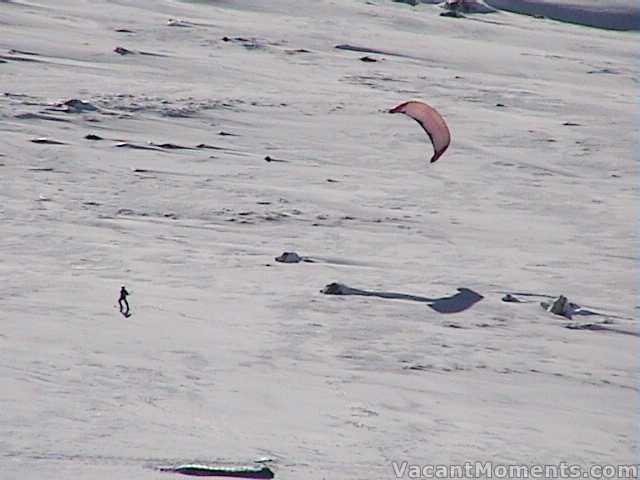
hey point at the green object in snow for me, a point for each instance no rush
(213, 471)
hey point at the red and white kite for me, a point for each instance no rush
(432, 123)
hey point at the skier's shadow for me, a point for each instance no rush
(459, 302)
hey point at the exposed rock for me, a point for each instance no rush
(510, 298)
(122, 51)
(466, 6)
(560, 306)
(336, 289)
(289, 257)
(47, 141)
(75, 105)
(176, 22)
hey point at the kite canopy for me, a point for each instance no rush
(431, 122)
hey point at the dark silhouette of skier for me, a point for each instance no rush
(124, 310)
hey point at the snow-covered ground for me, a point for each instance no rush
(230, 356)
